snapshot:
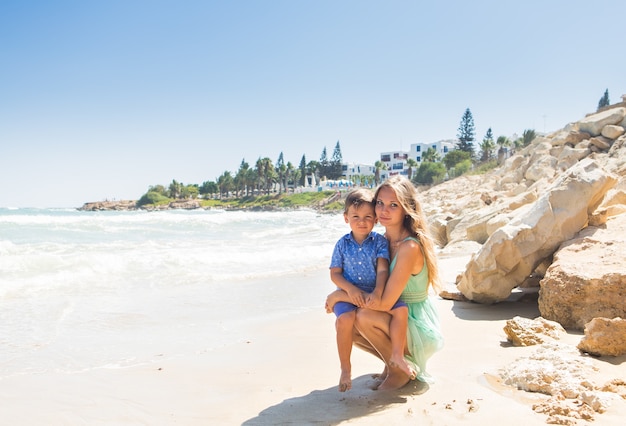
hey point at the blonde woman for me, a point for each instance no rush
(413, 271)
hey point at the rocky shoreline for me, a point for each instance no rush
(130, 205)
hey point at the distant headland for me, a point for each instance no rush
(329, 201)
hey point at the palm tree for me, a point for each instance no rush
(240, 177)
(379, 165)
(410, 164)
(290, 172)
(175, 189)
(312, 168)
(528, 136)
(225, 183)
(503, 142)
(431, 155)
(266, 174)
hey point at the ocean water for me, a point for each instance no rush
(83, 290)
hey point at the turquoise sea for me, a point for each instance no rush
(83, 290)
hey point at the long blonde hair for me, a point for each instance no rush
(415, 222)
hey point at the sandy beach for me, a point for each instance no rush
(286, 373)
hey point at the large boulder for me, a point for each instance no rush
(587, 278)
(593, 124)
(512, 252)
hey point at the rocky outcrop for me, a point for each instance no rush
(126, 205)
(604, 336)
(514, 250)
(587, 278)
(542, 197)
(526, 332)
(559, 371)
(110, 205)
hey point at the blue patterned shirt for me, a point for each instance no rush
(358, 262)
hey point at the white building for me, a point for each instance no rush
(363, 172)
(442, 147)
(396, 161)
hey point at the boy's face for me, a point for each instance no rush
(361, 219)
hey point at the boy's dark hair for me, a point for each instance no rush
(357, 197)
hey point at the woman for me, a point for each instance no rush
(413, 271)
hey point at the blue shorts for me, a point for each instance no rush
(343, 307)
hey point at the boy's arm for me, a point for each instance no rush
(354, 294)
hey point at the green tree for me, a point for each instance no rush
(487, 146)
(503, 142)
(266, 174)
(378, 166)
(454, 157)
(466, 133)
(208, 188)
(604, 100)
(411, 164)
(313, 169)
(335, 169)
(159, 189)
(430, 172)
(226, 184)
(190, 191)
(175, 189)
(462, 167)
(528, 136)
(431, 155)
(324, 164)
(251, 179)
(281, 173)
(302, 169)
(152, 197)
(290, 176)
(293, 176)
(240, 179)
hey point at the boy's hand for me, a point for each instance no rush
(356, 297)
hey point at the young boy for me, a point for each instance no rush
(360, 267)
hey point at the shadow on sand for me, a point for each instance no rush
(519, 303)
(330, 407)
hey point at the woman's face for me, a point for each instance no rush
(388, 209)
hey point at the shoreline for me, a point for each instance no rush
(285, 371)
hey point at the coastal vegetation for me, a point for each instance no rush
(263, 184)
(320, 200)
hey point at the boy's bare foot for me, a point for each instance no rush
(401, 364)
(345, 381)
(394, 381)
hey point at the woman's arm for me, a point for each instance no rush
(409, 260)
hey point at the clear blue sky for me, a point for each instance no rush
(101, 99)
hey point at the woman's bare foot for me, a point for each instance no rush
(381, 376)
(345, 381)
(401, 364)
(395, 380)
(378, 379)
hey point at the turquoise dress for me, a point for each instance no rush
(424, 337)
